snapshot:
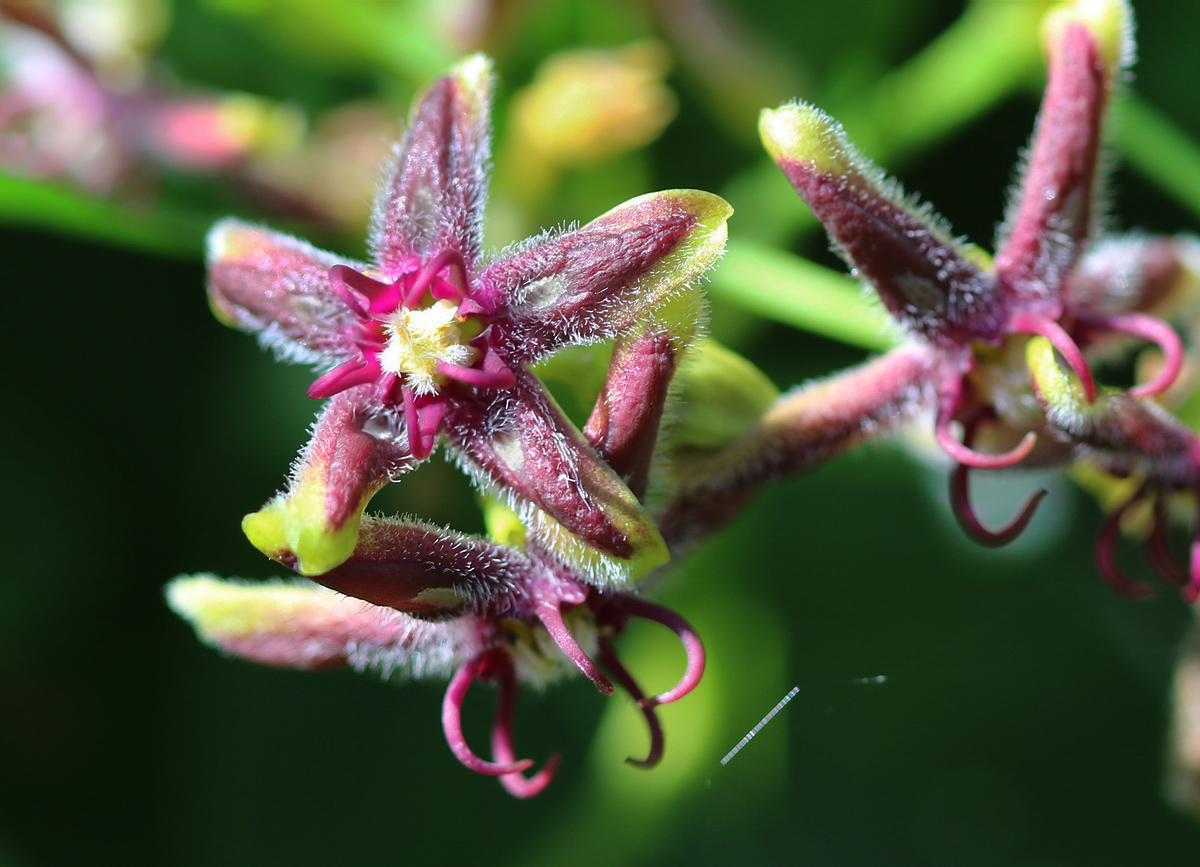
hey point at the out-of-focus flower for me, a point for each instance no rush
(77, 102)
(334, 170)
(431, 341)
(588, 105)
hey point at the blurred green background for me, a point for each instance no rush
(956, 706)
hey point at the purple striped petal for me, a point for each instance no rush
(270, 283)
(355, 448)
(435, 197)
(301, 625)
(519, 442)
(925, 277)
(1053, 215)
(424, 571)
(599, 281)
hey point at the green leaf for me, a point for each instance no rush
(38, 204)
(797, 292)
(1161, 151)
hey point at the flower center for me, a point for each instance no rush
(421, 339)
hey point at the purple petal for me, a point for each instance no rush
(270, 283)
(623, 426)
(435, 197)
(426, 572)
(600, 281)
(519, 441)
(924, 276)
(301, 625)
(355, 448)
(1052, 216)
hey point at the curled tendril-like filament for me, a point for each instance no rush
(481, 667)
(1156, 331)
(517, 783)
(964, 512)
(1105, 551)
(549, 612)
(951, 402)
(608, 657)
(621, 609)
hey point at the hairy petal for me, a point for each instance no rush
(623, 426)
(313, 525)
(426, 572)
(599, 281)
(926, 279)
(435, 197)
(270, 283)
(519, 442)
(301, 625)
(1051, 217)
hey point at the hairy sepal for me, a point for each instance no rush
(928, 280)
(313, 526)
(598, 281)
(426, 571)
(437, 190)
(276, 286)
(305, 626)
(521, 447)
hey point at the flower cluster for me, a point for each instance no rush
(431, 343)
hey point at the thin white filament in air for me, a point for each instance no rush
(750, 734)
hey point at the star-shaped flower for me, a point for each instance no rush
(432, 341)
(1051, 280)
(418, 600)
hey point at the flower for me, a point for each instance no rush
(1050, 278)
(430, 341)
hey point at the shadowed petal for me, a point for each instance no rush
(519, 441)
(313, 525)
(623, 426)
(270, 283)
(926, 278)
(301, 625)
(424, 571)
(1086, 45)
(435, 198)
(599, 281)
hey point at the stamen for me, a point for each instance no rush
(610, 661)
(518, 785)
(960, 505)
(964, 454)
(1156, 331)
(1106, 563)
(1029, 323)
(549, 612)
(456, 693)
